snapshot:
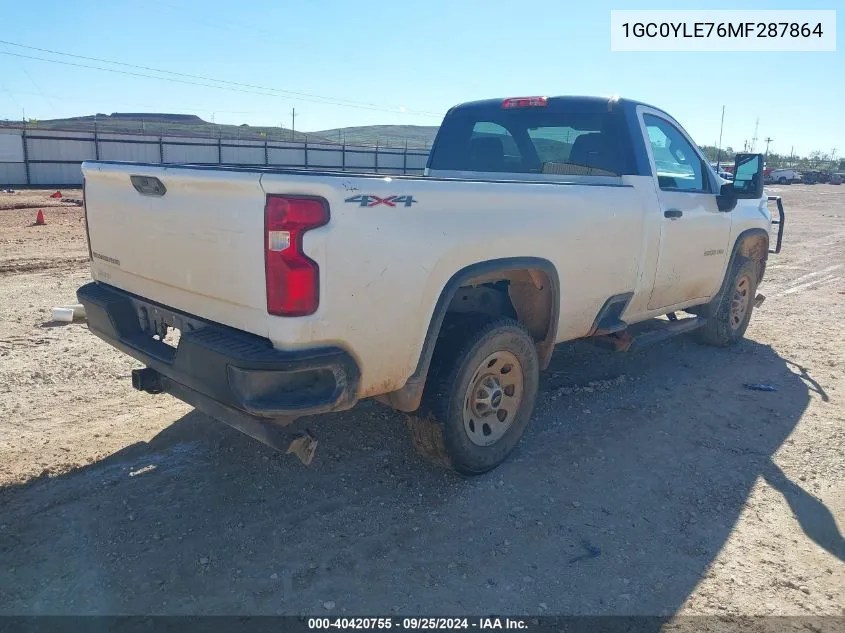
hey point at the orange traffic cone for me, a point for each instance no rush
(39, 218)
(58, 194)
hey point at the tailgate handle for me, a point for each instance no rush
(148, 185)
(673, 214)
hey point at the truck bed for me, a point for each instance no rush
(199, 248)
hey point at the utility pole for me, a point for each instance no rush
(754, 138)
(768, 140)
(791, 154)
(292, 123)
(721, 129)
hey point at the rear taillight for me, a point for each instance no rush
(525, 102)
(293, 280)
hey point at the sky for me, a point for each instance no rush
(360, 62)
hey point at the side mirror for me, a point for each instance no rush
(726, 199)
(748, 176)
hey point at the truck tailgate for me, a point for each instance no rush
(198, 247)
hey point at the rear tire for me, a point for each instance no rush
(730, 313)
(481, 398)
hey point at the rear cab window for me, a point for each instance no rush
(565, 138)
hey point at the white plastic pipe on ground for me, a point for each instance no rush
(66, 314)
(62, 315)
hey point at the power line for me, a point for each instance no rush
(37, 87)
(189, 76)
(126, 72)
(133, 104)
(236, 86)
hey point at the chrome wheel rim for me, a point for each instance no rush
(740, 301)
(493, 398)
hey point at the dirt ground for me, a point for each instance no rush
(648, 482)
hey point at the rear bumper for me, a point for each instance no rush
(220, 370)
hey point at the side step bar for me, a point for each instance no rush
(624, 342)
(681, 326)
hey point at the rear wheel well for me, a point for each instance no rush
(525, 295)
(524, 288)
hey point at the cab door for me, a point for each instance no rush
(694, 234)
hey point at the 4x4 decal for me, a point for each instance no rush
(374, 201)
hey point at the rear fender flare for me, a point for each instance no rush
(409, 396)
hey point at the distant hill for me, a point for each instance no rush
(165, 125)
(416, 136)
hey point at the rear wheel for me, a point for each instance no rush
(482, 399)
(730, 314)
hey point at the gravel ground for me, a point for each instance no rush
(648, 483)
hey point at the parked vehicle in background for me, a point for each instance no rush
(836, 179)
(538, 221)
(785, 176)
(810, 177)
(723, 174)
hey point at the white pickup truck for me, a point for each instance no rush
(784, 176)
(538, 220)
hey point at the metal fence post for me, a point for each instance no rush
(405, 159)
(376, 155)
(306, 152)
(343, 157)
(161, 150)
(96, 146)
(25, 155)
(219, 150)
(266, 154)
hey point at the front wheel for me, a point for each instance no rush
(730, 314)
(484, 397)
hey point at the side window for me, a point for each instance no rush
(493, 148)
(678, 166)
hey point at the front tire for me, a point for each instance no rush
(730, 313)
(483, 398)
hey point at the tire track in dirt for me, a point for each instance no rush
(809, 280)
(15, 206)
(16, 267)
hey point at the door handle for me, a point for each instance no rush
(673, 214)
